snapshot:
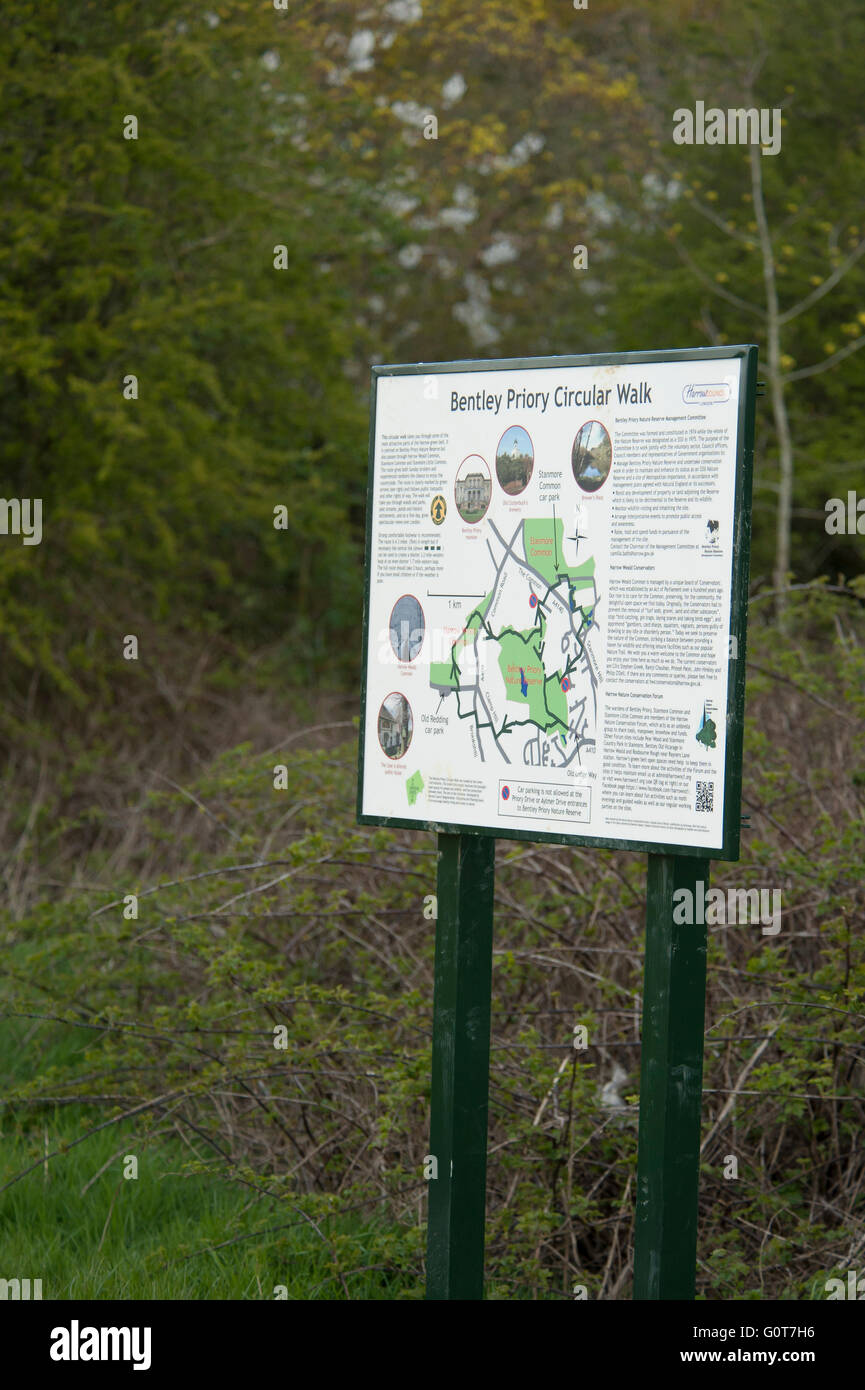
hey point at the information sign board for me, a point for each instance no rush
(556, 570)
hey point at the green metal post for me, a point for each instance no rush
(460, 1067)
(671, 1081)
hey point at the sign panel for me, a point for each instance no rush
(554, 626)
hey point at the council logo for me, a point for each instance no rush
(706, 393)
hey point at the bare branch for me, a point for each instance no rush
(195, 801)
(705, 279)
(828, 284)
(193, 878)
(827, 361)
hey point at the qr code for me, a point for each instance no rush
(705, 796)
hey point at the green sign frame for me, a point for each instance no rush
(745, 354)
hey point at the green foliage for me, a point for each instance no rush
(154, 257)
(687, 258)
(265, 911)
(259, 909)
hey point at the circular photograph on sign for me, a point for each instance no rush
(395, 725)
(473, 488)
(515, 459)
(407, 627)
(591, 456)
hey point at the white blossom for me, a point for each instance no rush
(360, 49)
(500, 251)
(406, 11)
(454, 89)
(410, 256)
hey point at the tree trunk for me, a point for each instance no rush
(776, 388)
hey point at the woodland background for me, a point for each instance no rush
(154, 1037)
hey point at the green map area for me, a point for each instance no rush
(413, 787)
(446, 673)
(543, 541)
(521, 662)
(707, 733)
(520, 667)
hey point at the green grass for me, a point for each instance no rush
(154, 1236)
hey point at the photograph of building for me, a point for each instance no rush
(515, 460)
(473, 488)
(395, 725)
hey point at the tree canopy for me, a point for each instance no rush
(215, 219)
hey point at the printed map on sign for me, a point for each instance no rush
(549, 630)
(523, 669)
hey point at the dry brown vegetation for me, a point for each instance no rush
(260, 908)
